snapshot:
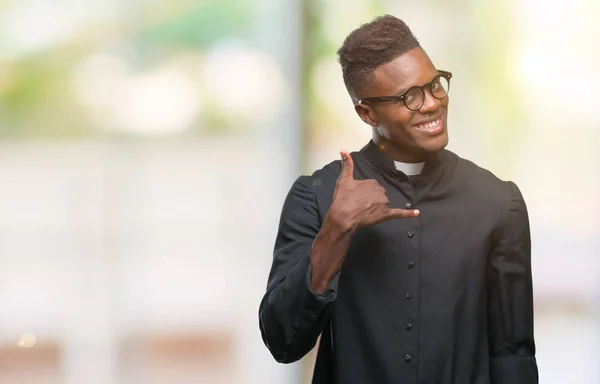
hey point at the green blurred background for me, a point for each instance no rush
(146, 147)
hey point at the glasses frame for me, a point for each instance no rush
(402, 98)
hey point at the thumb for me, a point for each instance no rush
(347, 166)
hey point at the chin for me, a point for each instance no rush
(436, 144)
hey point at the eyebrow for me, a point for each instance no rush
(406, 89)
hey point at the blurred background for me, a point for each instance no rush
(146, 147)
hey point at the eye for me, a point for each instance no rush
(413, 98)
(439, 87)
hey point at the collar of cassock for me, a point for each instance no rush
(374, 154)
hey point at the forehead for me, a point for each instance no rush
(412, 68)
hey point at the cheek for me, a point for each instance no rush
(402, 120)
(445, 101)
(395, 123)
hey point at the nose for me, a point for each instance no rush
(430, 103)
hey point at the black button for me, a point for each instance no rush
(407, 358)
(411, 235)
(408, 205)
(408, 326)
(411, 265)
(408, 296)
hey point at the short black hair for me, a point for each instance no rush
(371, 46)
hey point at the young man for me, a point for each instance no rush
(436, 292)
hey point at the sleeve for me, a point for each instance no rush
(510, 300)
(291, 315)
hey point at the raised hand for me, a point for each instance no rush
(362, 203)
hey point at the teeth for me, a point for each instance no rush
(430, 125)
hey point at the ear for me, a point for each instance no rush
(366, 114)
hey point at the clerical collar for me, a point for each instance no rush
(386, 164)
(410, 169)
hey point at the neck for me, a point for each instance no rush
(398, 153)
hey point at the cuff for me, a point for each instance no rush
(514, 370)
(330, 293)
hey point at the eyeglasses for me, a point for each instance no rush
(414, 97)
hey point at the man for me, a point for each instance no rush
(438, 292)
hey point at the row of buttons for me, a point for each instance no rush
(408, 295)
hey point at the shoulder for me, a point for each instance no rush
(316, 189)
(323, 178)
(326, 177)
(320, 179)
(482, 182)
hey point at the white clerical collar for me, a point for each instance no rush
(410, 169)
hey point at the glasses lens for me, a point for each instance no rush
(413, 98)
(440, 87)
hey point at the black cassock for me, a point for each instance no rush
(442, 298)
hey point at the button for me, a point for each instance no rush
(408, 326)
(410, 234)
(408, 205)
(408, 296)
(411, 265)
(407, 358)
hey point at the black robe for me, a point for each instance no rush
(442, 298)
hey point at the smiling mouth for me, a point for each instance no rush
(431, 126)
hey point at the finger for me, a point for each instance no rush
(347, 166)
(397, 213)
